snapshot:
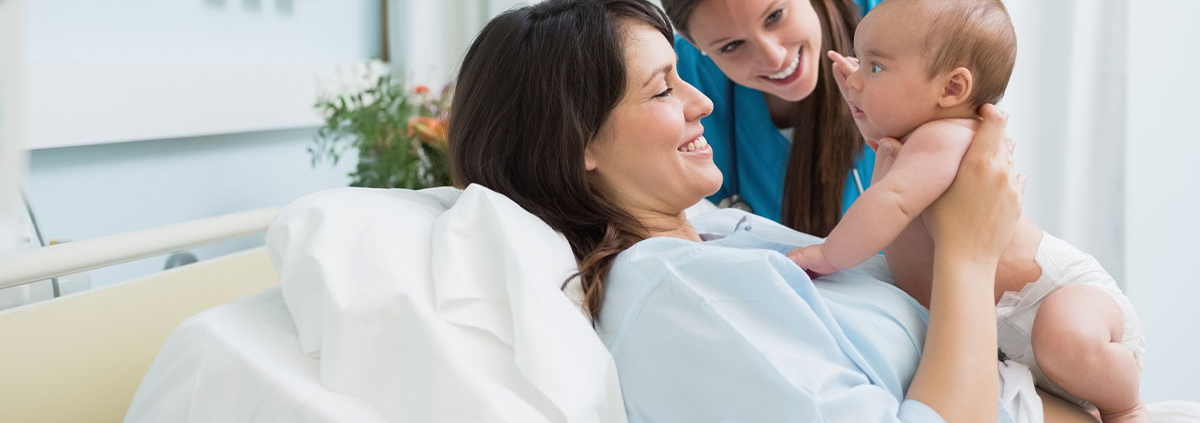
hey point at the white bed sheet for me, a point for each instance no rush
(237, 361)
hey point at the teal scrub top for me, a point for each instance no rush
(740, 120)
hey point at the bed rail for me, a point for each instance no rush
(63, 259)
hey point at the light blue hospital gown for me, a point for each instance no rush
(730, 330)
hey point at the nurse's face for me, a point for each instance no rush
(650, 157)
(769, 45)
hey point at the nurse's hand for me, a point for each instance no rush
(975, 218)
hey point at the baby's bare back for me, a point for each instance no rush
(910, 255)
(910, 258)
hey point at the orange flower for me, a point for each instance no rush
(429, 130)
(420, 89)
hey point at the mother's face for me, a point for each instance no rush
(650, 155)
(772, 46)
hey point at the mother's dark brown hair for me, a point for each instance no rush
(534, 89)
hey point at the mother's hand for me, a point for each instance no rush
(976, 216)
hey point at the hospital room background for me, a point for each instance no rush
(124, 115)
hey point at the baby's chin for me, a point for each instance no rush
(868, 133)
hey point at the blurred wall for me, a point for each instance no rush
(91, 191)
(1162, 195)
(12, 159)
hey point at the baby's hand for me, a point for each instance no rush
(812, 259)
(842, 68)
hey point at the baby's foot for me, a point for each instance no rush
(1137, 414)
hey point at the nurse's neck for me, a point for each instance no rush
(782, 112)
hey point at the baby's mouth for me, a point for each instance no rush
(857, 111)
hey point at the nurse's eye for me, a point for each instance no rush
(729, 48)
(775, 16)
(875, 68)
(666, 93)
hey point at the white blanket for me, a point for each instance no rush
(240, 363)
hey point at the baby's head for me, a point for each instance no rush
(922, 60)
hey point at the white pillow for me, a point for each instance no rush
(436, 306)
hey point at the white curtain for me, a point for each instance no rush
(428, 38)
(1067, 101)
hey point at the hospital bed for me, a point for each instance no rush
(341, 339)
(79, 358)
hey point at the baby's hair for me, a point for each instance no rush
(977, 35)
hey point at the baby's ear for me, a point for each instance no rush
(959, 83)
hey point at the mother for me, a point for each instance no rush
(573, 109)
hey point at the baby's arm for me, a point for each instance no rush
(924, 168)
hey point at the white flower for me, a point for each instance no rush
(351, 79)
(377, 69)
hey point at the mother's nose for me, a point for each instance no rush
(698, 105)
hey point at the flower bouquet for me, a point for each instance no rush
(398, 132)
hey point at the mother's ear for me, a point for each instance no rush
(959, 84)
(589, 161)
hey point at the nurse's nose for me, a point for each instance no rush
(774, 55)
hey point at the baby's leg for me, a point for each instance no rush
(1077, 343)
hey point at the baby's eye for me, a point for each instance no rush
(875, 68)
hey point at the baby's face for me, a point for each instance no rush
(890, 94)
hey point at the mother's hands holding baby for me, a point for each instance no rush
(976, 216)
(970, 223)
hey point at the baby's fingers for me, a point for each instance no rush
(842, 68)
(839, 59)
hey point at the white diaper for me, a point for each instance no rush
(1062, 265)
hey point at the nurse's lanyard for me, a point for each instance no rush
(735, 200)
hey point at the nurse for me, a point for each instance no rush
(779, 130)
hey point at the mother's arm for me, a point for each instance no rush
(971, 224)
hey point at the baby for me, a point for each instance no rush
(924, 67)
